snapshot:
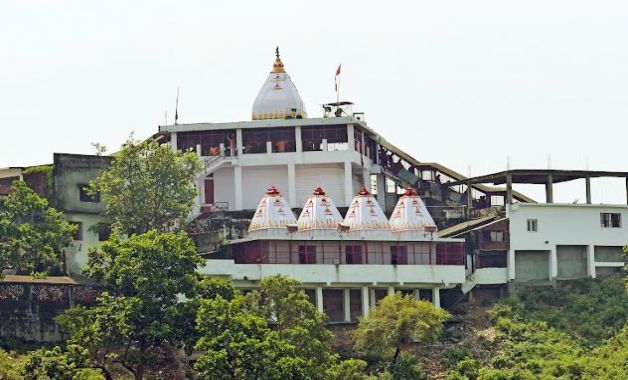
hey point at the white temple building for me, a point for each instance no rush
(346, 265)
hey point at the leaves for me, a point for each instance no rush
(148, 186)
(32, 234)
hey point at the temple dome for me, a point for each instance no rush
(278, 98)
(410, 217)
(366, 216)
(272, 215)
(319, 214)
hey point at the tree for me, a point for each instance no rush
(265, 335)
(396, 321)
(57, 363)
(134, 321)
(32, 234)
(148, 186)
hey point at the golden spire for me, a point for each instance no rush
(278, 65)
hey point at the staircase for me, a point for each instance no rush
(213, 163)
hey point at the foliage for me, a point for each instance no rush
(11, 365)
(238, 341)
(32, 234)
(589, 310)
(396, 321)
(148, 186)
(351, 369)
(57, 363)
(145, 275)
(407, 367)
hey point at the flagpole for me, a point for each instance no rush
(176, 108)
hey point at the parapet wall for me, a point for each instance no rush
(27, 310)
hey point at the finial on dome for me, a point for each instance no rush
(363, 192)
(278, 65)
(409, 192)
(319, 191)
(272, 191)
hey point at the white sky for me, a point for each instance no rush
(463, 83)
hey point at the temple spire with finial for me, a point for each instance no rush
(278, 65)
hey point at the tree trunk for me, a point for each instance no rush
(394, 360)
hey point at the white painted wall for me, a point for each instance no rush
(224, 187)
(562, 224)
(445, 275)
(256, 180)
(329, 176)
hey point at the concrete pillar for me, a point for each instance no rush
(626, 190)
(173, 140)
(469, 199)
(436, 296)
(588, 186)
(239, 142)
(591, 261)
(381, 191)
(366, 178)
(346, 293)
(292, 184)
(348, 183)
(350, 138)
(324, 147)
(509, 188)
(237, 183)
(372, 297)
(553, 263)
(365, 301)
(269, 147)
(417, 294)
(319, 299)
(549, 189)
(391, 290)
(511, 264)
(297, 139)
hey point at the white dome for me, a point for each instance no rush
(278, 98)
(365, 217)
(410, 217)
(319, 213)
(272, 215)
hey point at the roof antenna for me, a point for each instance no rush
(507, 162)
(176, 109)
(549, 161)
(166, 117)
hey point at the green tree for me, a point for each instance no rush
(396, 321)
(32, 234)
(139, 316)
(148, 186)
(70, 363)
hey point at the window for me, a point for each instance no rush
(213, 143)
(104, 231)
(399, 255)
(532, 225)
(610, 220)
(78, 234)
(497, 236)
(281, 140)
(336, 136)
(85, 196)
(307, 254)
(353, 254)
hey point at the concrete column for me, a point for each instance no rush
(553, 263)
(469, 199)
(348, 183)
(372, 297)
(626, 190)
(346, 293)
(381, 191)
(511, 264)
(173, 140)
(588, 186)
(239, 142)
(591, 261)
(366, 178)
(391, 290)
(269, 147)
(365, 301)
(436, 296)
(350, 138)
(292, 184)
(549, 189)
(324, 146)
(417, 294)
(297, 139)
(237, 182)
(319, 299)
(509, 189)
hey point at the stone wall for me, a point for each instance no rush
(27, 310)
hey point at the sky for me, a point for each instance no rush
(468, 84)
